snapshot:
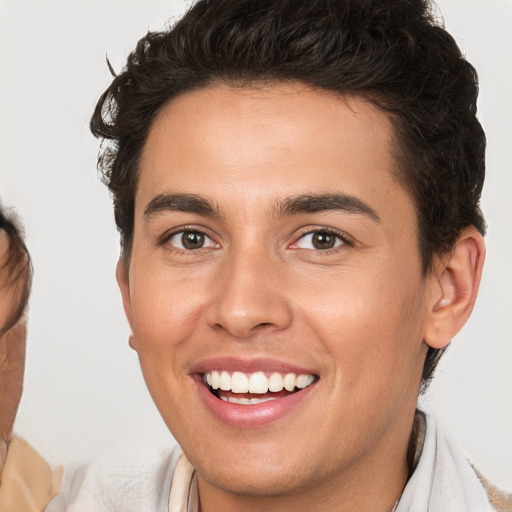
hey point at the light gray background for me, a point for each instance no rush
(84, 393)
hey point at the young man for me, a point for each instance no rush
(26, 481)
(297, 189)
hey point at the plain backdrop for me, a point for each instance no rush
(84, 393)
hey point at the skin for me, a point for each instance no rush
(12, 356)
(356, 315)
(12, 365)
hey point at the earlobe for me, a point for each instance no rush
(454, 284)
(124, 287)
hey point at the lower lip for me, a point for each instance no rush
(251, 416)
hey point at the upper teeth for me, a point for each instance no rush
(257, 382)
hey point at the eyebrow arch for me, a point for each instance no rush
(189, 203)
(314, 203)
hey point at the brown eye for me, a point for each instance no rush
(191, 240)
(319, 241)
(323, 240)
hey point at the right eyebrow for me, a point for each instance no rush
(189, 203)
(314, 203)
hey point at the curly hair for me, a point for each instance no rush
(15, 272)
(394, 53)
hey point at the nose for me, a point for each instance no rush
(249, 296)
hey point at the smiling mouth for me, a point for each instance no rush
(254, 388)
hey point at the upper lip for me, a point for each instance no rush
(248, 365)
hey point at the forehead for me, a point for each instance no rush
(280, 140)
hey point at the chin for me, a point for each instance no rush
(257, 482)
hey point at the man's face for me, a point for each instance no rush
(271, 242)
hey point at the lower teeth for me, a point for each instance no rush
(246, 401)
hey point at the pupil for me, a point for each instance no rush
(192, 240)
(323, 240)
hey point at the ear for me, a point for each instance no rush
(455, 280)
(124, 287)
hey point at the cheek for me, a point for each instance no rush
(164, 309)
(371, 327)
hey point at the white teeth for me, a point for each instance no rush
(239, 383)
(255, 401)
(245, 401)
(303, 381)
(215, 380)
(275, 382)
(289, 382)
(225, 381)
(257, 383)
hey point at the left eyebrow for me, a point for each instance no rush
(314, 203)
(189, 203)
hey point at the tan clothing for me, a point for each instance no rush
(28, 483)
(499, 499)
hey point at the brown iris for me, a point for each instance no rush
(192, 240)
(323, 240)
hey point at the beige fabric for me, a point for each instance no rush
(180, 488)
(499, 499)
(28, 483)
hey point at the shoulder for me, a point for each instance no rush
(28, 482)
(444, 478)
(134, 481)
